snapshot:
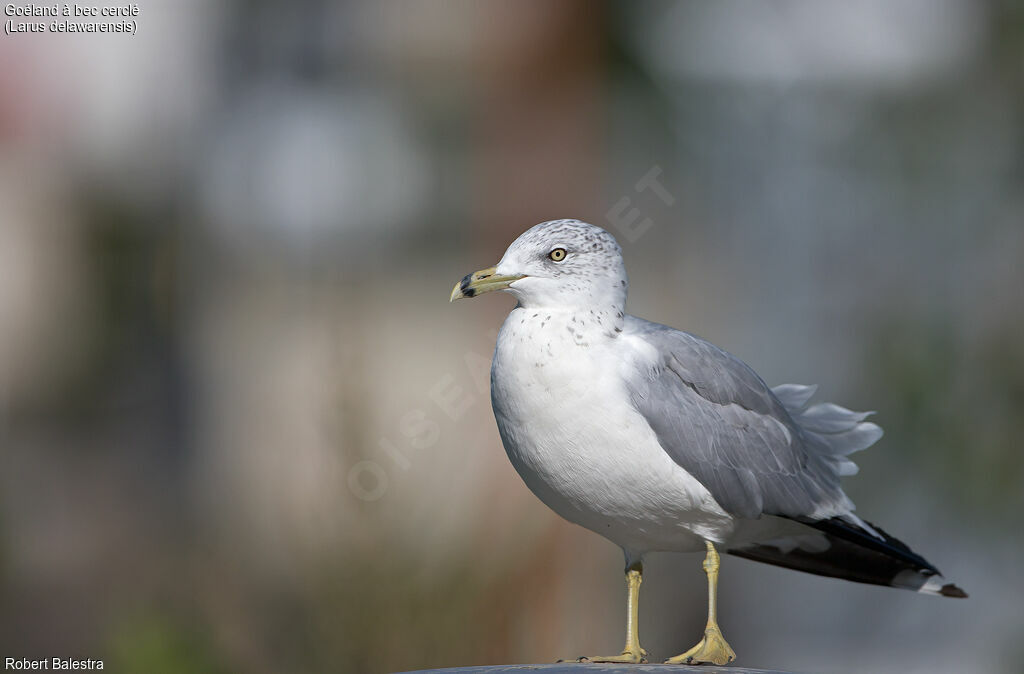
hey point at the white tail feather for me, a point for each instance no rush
(831, 430)
(794, 396)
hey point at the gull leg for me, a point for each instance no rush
(713, 648)
(632, 653)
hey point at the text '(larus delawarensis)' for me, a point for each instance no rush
(661, 441)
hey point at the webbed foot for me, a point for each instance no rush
(713, 649)
(633, 657)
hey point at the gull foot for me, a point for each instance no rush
(712, 650)
(627, 657)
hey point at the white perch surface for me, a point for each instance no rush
(594, 668)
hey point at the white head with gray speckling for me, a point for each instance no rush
(559, 264)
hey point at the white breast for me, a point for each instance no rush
(579, 444)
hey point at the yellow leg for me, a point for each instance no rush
(713, 648)
(632, 653)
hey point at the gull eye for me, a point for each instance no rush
(558, 254)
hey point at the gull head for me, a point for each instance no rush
(557, 264)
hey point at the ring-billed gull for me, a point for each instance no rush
(661, 441)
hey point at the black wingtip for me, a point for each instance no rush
(856, 554)
(888, 545)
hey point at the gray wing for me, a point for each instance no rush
(718, 420)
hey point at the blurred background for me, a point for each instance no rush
(242, 430)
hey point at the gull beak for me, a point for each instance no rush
(480, 282)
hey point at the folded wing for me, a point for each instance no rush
(757, 451)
